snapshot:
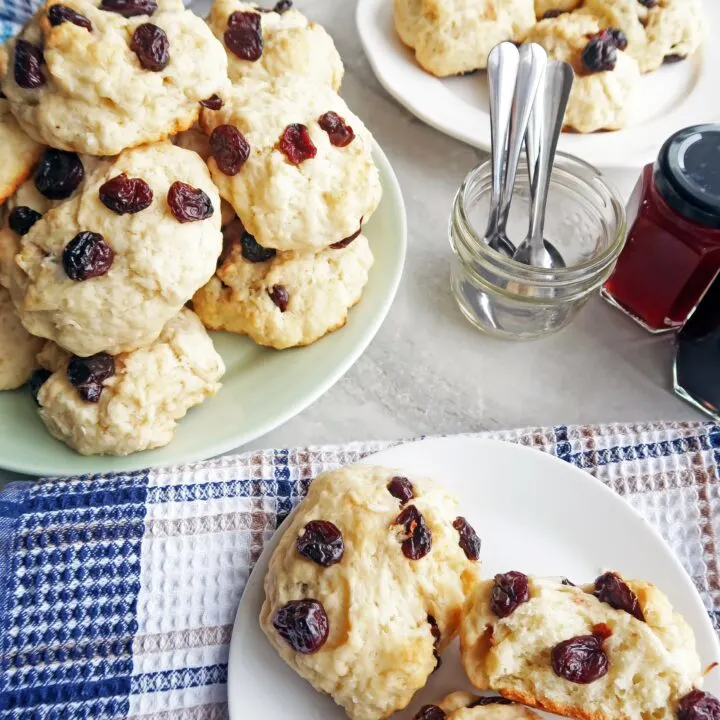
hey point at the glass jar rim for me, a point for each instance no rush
(538, 275)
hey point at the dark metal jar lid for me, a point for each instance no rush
(687, 173)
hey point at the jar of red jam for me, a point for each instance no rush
(672, 251)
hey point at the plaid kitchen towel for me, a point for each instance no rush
(118, 592)
(13, 13)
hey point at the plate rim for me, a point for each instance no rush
(622, 159)
(507, 446)
(132, 463)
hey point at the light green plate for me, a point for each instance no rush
(262, 388)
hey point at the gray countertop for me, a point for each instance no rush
(428, 371)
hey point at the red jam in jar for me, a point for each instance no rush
(672, 251)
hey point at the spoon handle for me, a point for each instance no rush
(502, 73)
(533, 60)
(546, 125)
(534, 132)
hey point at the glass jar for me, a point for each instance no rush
(673, 245)
(585, 221)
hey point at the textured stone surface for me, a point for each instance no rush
(428, 371)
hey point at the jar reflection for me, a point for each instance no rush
(697, 356)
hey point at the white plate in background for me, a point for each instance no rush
(534, 513)
(673, 97)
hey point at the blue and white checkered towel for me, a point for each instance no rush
(13, 14)
(118, 592)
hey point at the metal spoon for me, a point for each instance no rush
(502, 73)
(541, 143)
(533, 60)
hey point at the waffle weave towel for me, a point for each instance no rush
(13, 13)
(118, 592)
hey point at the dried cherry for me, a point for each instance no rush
(698, 705)
(401, 488)
(510, 590)
(253, 252)
(435, 632)
(229, 148)
(188, 204)
(280, 296)
(303, 624)
(124, 195)
(151, 46)
(295, 143)
(93, 369)
(430, 712)
(614, 591)
(58, 14)
(88, 374)
(22, 218)
(580, 659)
(58, 174)
(37, 380)
(321, 542)
(28, 65)
(602, 631)
(214, 102)
(619, 38)
(345, 242)
(130, 8)
(469, 540)
(339, 132)
(87, 256)
(491, 700)
(600, 53)
(419, 536)
(243, 35)
(234, 233)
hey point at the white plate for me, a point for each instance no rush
(262, 388)
(673, 97)
(533, 512)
